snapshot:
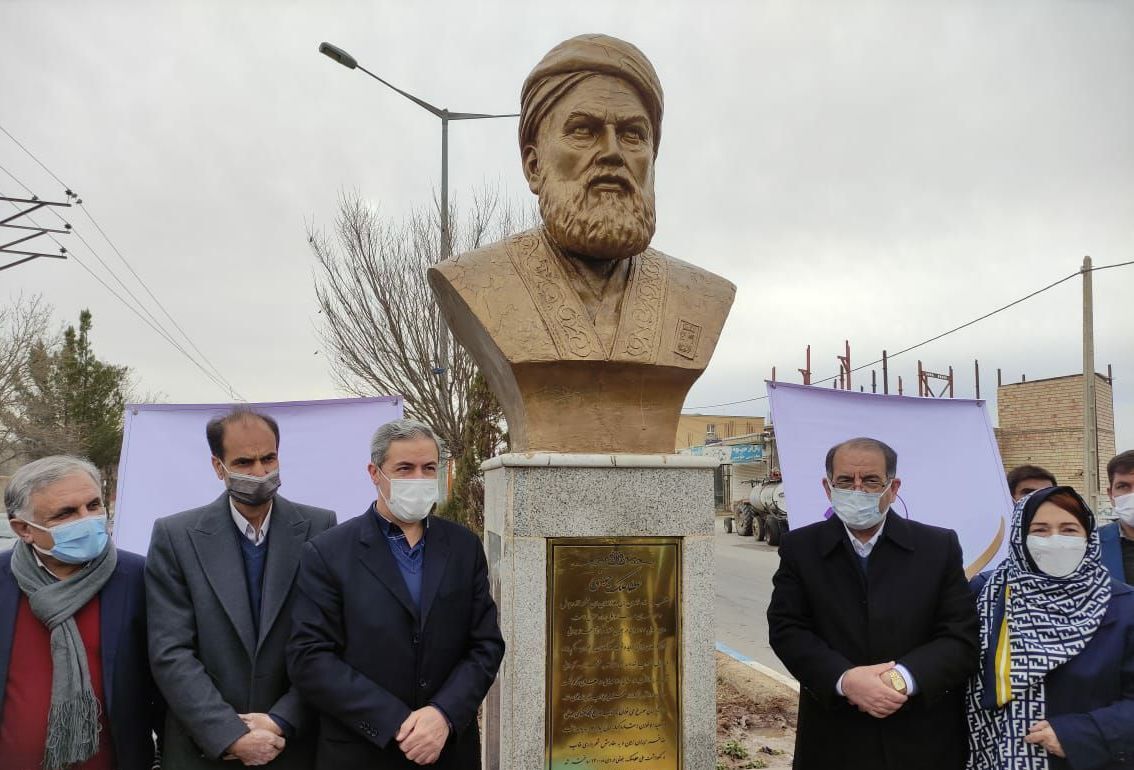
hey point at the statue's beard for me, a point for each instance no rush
(601, 224)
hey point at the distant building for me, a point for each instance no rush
(692, 429)
(737, 441)
(1041, 423)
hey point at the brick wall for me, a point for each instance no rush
(1041, 423)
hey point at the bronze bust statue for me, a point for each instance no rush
(590, 338)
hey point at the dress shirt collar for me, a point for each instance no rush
(861, 548)
(244, 527)
(43, 566)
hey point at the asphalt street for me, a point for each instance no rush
(744, 585)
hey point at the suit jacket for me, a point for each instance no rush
(912, 606)
(1090, 698)
(364, 656)
(1110, 539)
(206, 658)
(132, 703)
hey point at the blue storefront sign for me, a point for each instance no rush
(734, 454)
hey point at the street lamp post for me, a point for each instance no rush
(348, 61)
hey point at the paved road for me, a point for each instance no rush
(744, 585)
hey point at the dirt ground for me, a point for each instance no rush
(755, 718)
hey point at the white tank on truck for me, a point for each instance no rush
(764, 513)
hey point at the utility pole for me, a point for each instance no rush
(1090, 424)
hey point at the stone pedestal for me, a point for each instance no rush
(532, 499)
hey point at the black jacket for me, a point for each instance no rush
(364, 657)
(913, 606)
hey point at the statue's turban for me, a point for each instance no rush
(574, 60)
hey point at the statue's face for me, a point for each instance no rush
(593, 169)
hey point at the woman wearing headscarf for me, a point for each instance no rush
(1056, 684)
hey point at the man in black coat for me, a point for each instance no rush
(872, 614)
(395, 638)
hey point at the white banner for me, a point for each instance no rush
(166, 464)
(948, 460)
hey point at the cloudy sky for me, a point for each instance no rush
(873, 171)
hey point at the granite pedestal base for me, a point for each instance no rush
(533, 498)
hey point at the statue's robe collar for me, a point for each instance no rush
(639, 333)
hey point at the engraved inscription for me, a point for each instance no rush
(614, 696)
(688, 337)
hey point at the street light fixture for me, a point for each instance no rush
(348, 61)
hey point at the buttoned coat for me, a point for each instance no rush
(912, 606)
(132, 704)
(206, 657)
(365, 656)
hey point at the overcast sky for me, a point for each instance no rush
(872, 171)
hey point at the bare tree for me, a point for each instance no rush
(381, 326)
(24, 329)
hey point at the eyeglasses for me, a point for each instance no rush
(871, 484)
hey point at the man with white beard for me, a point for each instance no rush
(579, 316)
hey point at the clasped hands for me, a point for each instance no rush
(261, 744)
(869, 689)
(422, 736)
(1043, 734)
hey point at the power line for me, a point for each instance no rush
(226, 384)
(117, 251)
(156, 328)
(931, 339)
(33, 157)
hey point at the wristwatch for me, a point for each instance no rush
(897, 681)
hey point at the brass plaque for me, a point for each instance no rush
(614, 653)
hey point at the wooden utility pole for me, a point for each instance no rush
(1090, 424)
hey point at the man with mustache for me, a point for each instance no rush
(579, 315)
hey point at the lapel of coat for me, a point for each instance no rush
(889, 552)
(112, 611)
(436, 559)
(214, 540)
(286, 537)
(376, 557)
(640, 321)
(9, 605)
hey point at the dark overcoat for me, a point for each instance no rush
(206, 657)
(912, 606)
(365, 656)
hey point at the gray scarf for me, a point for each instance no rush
(73, 721)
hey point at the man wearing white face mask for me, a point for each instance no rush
(872, 614)
(1117, 538)
(395, 640)
(220, 582)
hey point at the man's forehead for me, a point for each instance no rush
(1126, 478)
(248, 435)
(849, 459)
(419, 451)
(76, 484)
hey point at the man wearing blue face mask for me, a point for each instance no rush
(220, 584)
(872, 614)
(396, 640)
(72, 630)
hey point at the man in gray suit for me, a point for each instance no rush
(219, 589)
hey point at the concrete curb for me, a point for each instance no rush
(783, 680)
